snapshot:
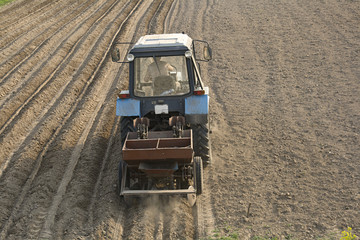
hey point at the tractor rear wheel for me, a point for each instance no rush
(127, 125)
(201, 142)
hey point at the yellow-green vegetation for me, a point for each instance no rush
(348, 235)
(227, 233)
(3, 2)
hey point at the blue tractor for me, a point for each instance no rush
(164, 116)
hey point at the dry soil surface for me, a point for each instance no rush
(285, 119)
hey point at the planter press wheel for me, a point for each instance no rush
(198, 180)
(198, 168)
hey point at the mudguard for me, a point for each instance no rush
(127, 107)
(197, 108)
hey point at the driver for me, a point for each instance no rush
(158, 68)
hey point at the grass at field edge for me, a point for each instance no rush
(3, 2)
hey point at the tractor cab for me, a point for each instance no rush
(164, 65)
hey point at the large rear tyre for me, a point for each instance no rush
(202, 142)
(127, 125)
(198, 167)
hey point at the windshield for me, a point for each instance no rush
(160, 76)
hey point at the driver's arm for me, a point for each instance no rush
(169, 67)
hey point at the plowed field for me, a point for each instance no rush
(285, 119)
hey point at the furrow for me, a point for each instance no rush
(11, 122)
(204, 219)
(9, 20)
(46, 123)
(19, 75)
(153, 21)
(28, 29)
(50, 220)
(98, 103)
(174, 8)
(114, 230)
(178, 219)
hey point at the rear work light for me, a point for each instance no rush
(199, 92)
(124, 94)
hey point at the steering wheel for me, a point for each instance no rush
(167, 92)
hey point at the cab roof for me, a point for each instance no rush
(169, 41)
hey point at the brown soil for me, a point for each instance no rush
(284, 117)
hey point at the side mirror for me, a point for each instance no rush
(207, 53)
(115, 54)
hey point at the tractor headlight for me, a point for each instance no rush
(188, 54)
(130, 57)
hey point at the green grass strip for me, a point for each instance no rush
(3, 2)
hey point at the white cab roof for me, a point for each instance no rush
(164, 40)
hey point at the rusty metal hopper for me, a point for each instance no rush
(160, 146)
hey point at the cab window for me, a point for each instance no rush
(160, 76)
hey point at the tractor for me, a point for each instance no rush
(164, 117)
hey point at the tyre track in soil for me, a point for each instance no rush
(20, 104)
(11, 175)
